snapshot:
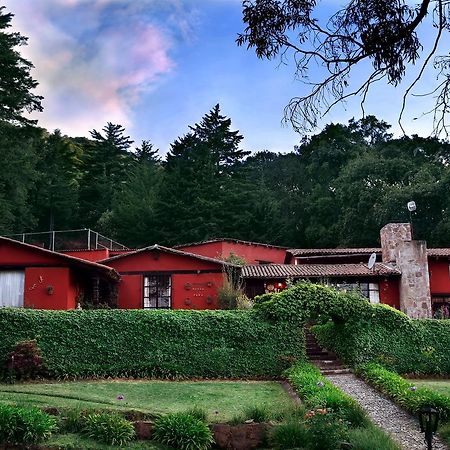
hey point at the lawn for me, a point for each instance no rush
(221, 399)
(441, 386)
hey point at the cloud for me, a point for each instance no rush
(94, 60)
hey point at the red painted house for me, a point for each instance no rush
(34, 277)
(162, 277)
(250, 252)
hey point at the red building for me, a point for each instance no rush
(406, 274)
(34, 277)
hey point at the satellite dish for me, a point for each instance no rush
(372, 259)
(411, 206)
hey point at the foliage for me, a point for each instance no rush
(16, 82)
(258, 413)
(403, 392)
(317, 392)
(109, 428)
(382, 334)
(153, 343)
(326, 430)
(360, 33)
(289, 435)
(369, 439)
(198, 413)
(183, 432)
(24, 425)
(25, 361)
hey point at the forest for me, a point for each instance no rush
(335, 188)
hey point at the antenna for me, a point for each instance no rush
(411, 208)
(372, 259)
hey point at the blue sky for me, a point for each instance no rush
(157, 66)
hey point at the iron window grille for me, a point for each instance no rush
(157, 291)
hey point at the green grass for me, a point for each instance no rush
(441, 386)
(222, 400)
(76, 441)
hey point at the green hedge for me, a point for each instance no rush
(403, 392)
(387, 336)
(154, 343)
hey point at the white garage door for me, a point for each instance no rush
(11, 288)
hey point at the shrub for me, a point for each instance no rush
(289, 435)
(109, 428)
(24, 425)
(182, 431)
(198, 413)
(162, 344)
(326, 430)
(317, 392)
(25, 361)
(403, 392)
(258, 413)
(370, 438)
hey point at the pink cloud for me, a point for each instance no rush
(86, 84)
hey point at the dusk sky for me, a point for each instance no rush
(157, 66)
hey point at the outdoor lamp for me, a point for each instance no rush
(428, 419)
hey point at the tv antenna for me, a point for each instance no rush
(372, 259)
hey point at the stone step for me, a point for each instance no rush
(342, 371)
(321, 357)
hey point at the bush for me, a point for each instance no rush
(326, 430)
(387, 336)
(317, 392)
(139, 343)
(24, 425)
(25, 361)
(370, 438)
(289, 435)
(108, 428)
(182, 431)
(198, 413)
(403, 392)
(258, 413)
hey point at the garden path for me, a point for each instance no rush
(403, 428)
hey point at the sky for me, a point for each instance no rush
(157, 66)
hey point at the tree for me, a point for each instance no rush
(59, 172)
(382, 33)
(16, 82)
(107, 160)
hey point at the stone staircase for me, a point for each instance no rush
(324, 360)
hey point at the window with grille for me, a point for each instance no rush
(157, 291)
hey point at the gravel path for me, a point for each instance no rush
(400, 425)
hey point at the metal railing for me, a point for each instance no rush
(66, 240)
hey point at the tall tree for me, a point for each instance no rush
(16, 82)
(381, 36)
(107, 159)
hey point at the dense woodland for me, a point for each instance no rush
(335, 188)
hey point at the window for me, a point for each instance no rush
(157, 291)
(369, 290)
(11, 288)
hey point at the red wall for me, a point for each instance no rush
(12, 254)
(39, 281)
(89, 255)
(252, 253)
(189, 290)
(390, 292)
(439, 276)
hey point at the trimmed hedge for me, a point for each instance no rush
(403, 392)
(385, 335)
(100, 343)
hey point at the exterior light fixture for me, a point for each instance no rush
(428, 419)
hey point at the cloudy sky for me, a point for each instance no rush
(157, 66)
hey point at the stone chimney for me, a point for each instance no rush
(410, 257)
(391, 236)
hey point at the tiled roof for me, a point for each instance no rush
(438, 252)
(332, 251)
(160, 248)
(235, 241)
(316, 270)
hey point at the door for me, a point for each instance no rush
(11, 288)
